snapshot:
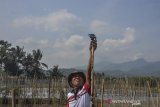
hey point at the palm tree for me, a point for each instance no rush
(14, 61)
(55, 72)
(27, 63)
(4, 47)
(37, 65)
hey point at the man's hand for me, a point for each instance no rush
(93, 44)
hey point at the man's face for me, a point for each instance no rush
(77, 80)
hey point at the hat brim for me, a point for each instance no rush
(71, 76)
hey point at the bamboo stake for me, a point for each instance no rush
(13, 98)
(113, 93)
(102, 92)
(150, 93)
(92, 80)
(157, 93)
(93, 37)
(49, 90)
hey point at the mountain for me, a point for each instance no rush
(125, 66)
(139, 67)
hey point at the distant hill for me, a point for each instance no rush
(139, 67)
(67, 71)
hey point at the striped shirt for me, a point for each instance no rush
(82, 98)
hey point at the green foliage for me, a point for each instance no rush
(15, 61)
(55, 72)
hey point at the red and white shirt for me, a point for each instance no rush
(83, 97)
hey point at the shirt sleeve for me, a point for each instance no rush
(86, 87)
(67, 103)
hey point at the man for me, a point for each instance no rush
(80, 96)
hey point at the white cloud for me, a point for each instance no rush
(117, 43)
(31, 42)
(71, 50)
(100, 27)
(43, 43)
(136, 56)
(74, 48)
(73, 42)
(27, 40)
(58, 21)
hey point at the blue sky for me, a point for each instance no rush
(126, 29)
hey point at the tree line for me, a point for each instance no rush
(14, 61)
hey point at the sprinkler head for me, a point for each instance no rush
(92, 36)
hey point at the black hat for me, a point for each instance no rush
(72, 74)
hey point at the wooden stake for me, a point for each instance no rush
(92, 78)
(151, 94)
(13, 98)
(102, 92)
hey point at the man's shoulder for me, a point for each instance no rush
(70, 94)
